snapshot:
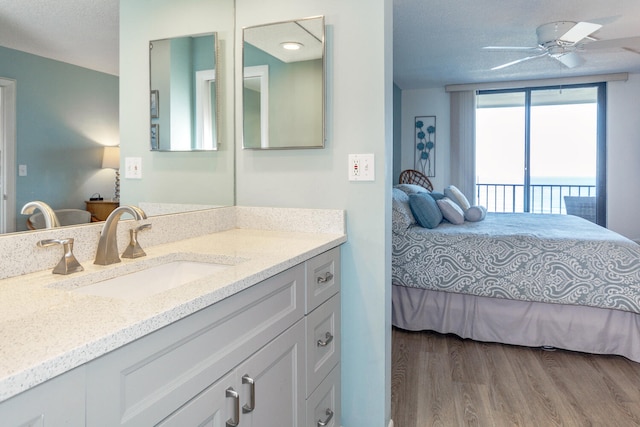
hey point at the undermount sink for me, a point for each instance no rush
(151, 280)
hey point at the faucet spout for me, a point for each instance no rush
(50, 217)
(107, 252)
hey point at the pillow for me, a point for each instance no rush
(437, 195)
(451, 211)
(456, 195)
(425, 210)
(401, 216)
(411, 188)
(475, 213)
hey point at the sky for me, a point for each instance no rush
(563, 142)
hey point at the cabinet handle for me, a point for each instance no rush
(326, 278)
(329, 414)
(327, 339)
(248, 407)
(235, 420)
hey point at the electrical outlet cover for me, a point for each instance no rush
(133, 167)
(361, 167)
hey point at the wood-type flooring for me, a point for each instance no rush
(443, 380)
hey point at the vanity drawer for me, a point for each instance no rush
(323, 406)
(323, 278)
(143, 382)
(323, 341)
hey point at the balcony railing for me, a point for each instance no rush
(543, 198)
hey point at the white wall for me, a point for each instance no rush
(359, 120)
(427, 102)
(623, 146)
(623, 156)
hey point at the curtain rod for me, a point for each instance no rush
(538, 83)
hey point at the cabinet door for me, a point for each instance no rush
(273, 382)
(57, 402)
(214, 407)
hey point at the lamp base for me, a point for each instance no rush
(117, 195)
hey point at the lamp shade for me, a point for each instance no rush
(111, 158)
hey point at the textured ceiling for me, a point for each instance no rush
(436, 42)
(79, 32)
(439, 42)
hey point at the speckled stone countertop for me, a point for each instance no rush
(47, 329)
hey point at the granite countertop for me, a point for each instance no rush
(46, 329)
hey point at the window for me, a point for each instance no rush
(536, 147)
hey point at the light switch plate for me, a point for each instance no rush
(133, 167)
(362, 167)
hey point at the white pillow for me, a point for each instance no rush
(475, 213)
(451, 211)
(456, 195)
(411, 188)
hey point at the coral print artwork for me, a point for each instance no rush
(425, 143)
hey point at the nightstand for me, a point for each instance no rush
(100, 209)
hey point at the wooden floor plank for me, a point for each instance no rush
(443, 380)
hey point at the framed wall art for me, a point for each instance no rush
(425, 145)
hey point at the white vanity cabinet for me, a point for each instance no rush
(266, 356)
(246, 360)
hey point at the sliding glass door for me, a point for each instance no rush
(541, 150)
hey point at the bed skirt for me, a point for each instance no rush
(531, 324)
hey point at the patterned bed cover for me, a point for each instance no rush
(528, 257)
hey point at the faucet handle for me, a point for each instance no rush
(134, 250)
(68, 264)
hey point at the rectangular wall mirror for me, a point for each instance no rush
(283, 90)
(183, 97)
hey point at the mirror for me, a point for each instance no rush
(62, 128)
(283, 90)
(183, 97)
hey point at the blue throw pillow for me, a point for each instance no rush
(425, 210)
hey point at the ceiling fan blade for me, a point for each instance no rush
(518, 48)
(627, 42)
(517, 61)
(579, 31)
(570, 60)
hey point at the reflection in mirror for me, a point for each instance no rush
(283, 96)
(256, 104)
(183, 99)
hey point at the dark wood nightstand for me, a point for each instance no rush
(100, 209)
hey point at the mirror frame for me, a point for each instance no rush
(264, 130)
(200, 110)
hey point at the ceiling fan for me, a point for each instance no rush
(562, 40)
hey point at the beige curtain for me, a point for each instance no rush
(463, 142)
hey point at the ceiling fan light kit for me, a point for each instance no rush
(560, 40)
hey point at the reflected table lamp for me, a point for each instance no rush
(111, 160)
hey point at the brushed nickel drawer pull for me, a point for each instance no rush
(248, 407)
(327, 339)
(326, 278)
(233, 422)
(329, 414)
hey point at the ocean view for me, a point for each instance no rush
(546, 194)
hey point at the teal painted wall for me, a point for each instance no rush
(65, 115)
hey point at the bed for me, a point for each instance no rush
(526, 279)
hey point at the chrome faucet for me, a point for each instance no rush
(107, 252)
(50, 218)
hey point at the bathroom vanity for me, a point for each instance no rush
(257, 343)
